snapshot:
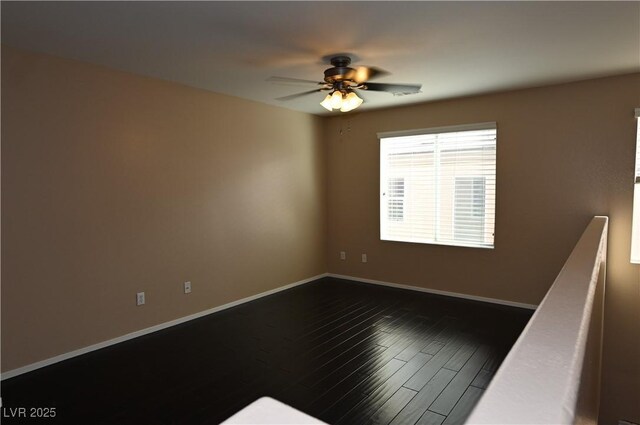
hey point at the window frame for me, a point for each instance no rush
(634, 254)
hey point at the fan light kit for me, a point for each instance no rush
(342, 82)
(344, 101)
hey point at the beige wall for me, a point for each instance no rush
(114, 184)
(565, 153)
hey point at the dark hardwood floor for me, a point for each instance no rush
(344, 352)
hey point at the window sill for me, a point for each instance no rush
(423, 242)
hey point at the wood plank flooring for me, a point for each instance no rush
(344, 352)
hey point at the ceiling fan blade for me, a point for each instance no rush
(297, 95)
(397, 89)
(362, 74)
(288, 80)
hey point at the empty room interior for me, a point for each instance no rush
(320, 212)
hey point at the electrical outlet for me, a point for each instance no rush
(343, 255)
(140, 298)
(187, 287)
(364, 258)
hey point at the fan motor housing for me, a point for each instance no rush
(340, 70)
(337, 74)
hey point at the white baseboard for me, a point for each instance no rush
(84, 350)
(436, 291)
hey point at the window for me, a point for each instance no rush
(438, 185)
(635, 229)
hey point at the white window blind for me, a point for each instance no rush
(438, 185)
(635, 227)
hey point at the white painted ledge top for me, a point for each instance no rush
(266, 410)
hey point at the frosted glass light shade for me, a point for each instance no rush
(326, 103)
(336, 100)
(351, 102)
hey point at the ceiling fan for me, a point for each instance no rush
(342, 82)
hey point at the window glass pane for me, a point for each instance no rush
(439, 187)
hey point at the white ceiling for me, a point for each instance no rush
(452, 48)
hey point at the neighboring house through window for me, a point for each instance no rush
(395, 196)
(469, 209)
